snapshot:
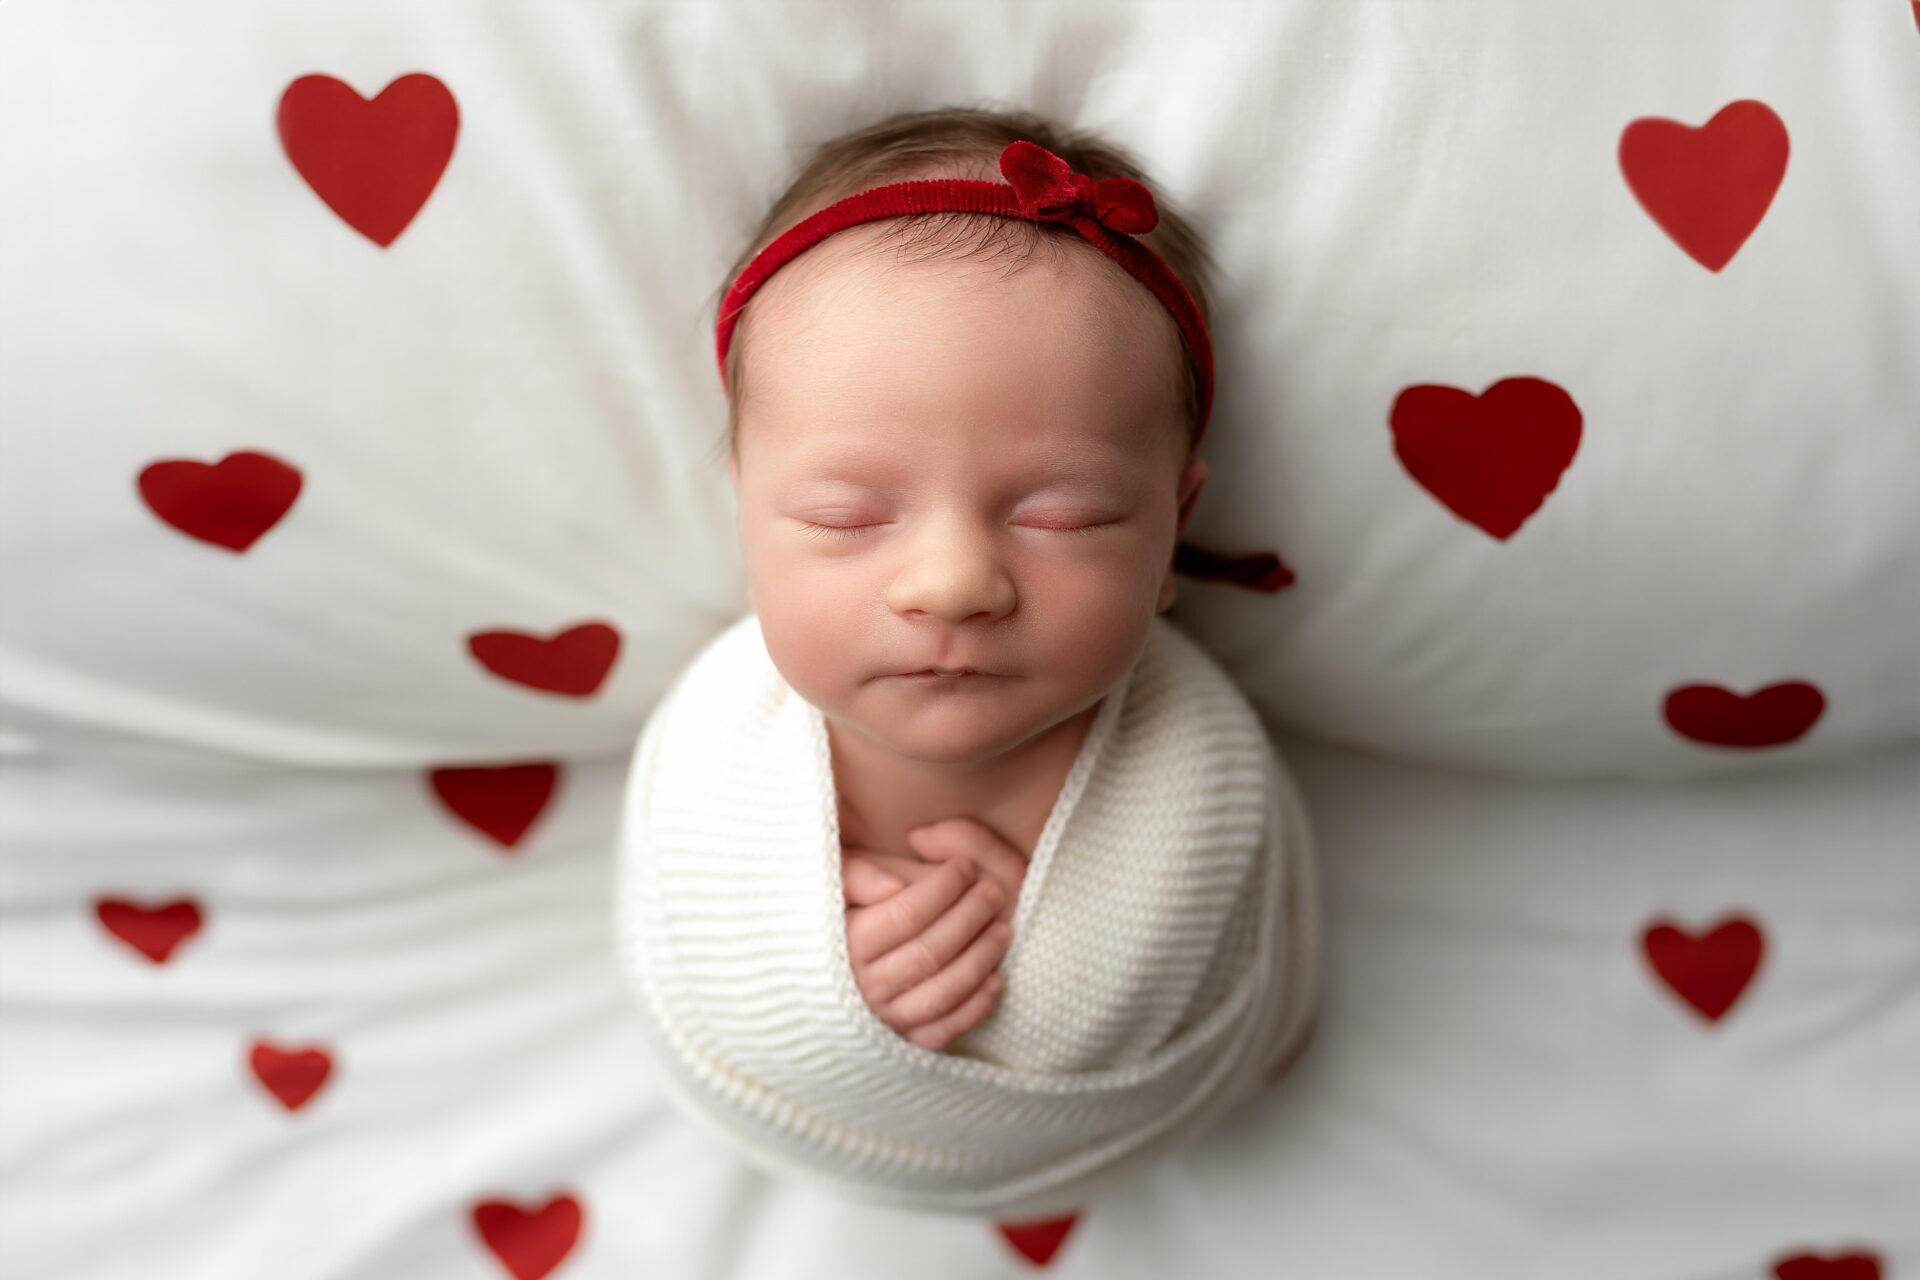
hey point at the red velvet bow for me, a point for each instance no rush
(1049, 189)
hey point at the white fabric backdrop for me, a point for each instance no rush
(374, 753)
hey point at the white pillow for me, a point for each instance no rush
(372, 740)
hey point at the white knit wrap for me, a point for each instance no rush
(1165, 945)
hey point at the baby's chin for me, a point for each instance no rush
(954, 730)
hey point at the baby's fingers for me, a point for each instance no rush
(924, 966)
(865, 883)
(968, 837)
(876, 930)
(939, 1034)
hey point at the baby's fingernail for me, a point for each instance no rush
(892, 884)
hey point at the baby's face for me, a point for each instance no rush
(1000, 476)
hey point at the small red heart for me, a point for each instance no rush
(373, 162)
(1844, 1266)
(574, 662)
(1719, 717)
(499, 801)
(1038, 1241)
(529, 1245)
(1708, 971)
(292, 1076)
(1491, 459)
(1707, 187)
(230, 503)
(152, 931)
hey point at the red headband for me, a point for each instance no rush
(1043, 188)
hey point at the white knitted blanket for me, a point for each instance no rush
(1165, 947)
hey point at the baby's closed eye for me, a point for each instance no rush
(813, 530)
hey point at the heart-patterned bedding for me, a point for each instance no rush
(359, 496)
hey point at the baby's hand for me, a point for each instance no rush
(968, 837)
(924, 952)
(954, 838)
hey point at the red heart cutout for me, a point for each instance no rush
(230, 503)
(1708, 187)
(529, 1245)
(1719, 717)
(373, 162)
(292, 1076)
(1491, 459)
(574, 662)
(1038, 1241)
(1708, 971)
(1845, 1266)
(152, 931)
(501, 801)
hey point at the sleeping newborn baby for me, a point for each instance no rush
(953, 875)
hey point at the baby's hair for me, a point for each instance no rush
(965, 142)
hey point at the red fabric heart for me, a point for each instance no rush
(1708, 971)
(1719, 717)
(1845, 1266)
(292, 1076)
(1491, 459)
(1038, 1241)
(229, 504)
(152, 931)
(529, 1245)
(1707, 188)
(373, 162)
(500, 802)
(574, 662)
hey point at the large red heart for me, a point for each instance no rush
(1708, 187)
(1491, 459)
(292, 1076)
(373, 162)
(530, 1245)
(152, 931)
(1038, 1241)
(1843, 1266)
(1708, 971)
(229, 504)
(499, 801)
(1719, 717)
(574, 662)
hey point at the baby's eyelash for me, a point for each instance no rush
(833, 530)
(856, 530)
